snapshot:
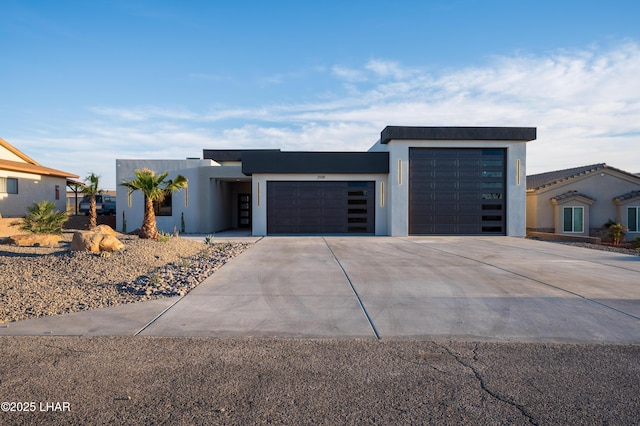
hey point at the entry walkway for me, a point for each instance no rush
(481, 288)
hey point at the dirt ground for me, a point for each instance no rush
(74, 222)
(202, 381)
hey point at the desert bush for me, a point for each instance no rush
(43, 218)
(616, 231)
(163, 237)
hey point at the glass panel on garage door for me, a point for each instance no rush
(457, 191)
(320, 207)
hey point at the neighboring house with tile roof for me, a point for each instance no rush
(23, 181)
(580, 200)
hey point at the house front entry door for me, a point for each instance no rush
(244, 210)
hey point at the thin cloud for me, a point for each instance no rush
(348, 74)
(388, 69)
(585, 104)
(144, 113)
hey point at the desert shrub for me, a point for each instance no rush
(43, 218)
(164, 237)
(616, 233)
(635, 244)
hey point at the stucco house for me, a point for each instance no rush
(23, 181)
(412, 181)
(580, 200)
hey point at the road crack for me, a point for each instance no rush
(483, 385)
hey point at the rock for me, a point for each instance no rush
(35, 240)
(95, 241)
(105, 229)
(109, 243)
(85, 241)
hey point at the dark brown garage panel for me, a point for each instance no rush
(320, 207)
(457, 191)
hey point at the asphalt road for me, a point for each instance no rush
(350, 331)
(208, 381)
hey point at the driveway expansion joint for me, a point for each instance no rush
(355, 292)
(157, 317)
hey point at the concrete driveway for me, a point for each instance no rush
(480, 288)
(453, 287)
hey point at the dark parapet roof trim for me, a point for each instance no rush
(291, 162)
(219, 155)
(525, 134)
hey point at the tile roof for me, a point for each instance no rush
(571, 194)
(36, 169)
(6, 145)
(542, 180)
(627, 196)
(30, 165)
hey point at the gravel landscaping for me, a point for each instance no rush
(41, 281)
(624, 248)
(605, 247)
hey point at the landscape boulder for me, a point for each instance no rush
(105, 229)
(103, 238)
(35, 240)
(110, 243)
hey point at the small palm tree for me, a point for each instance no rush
(43, 218)
(155, 188)
(92, 189)
(616, 233)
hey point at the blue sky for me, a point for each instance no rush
(85, 82)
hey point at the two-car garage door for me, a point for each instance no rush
(310, 207)
(457, 191)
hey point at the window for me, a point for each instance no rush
(633, 219)
(573, 219)
(8, 185)
(163, 208)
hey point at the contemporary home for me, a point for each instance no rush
(580, 200)
(412, 181)
(23, 181)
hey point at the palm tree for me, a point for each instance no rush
(92, 189)
(155, 188)
(43, 218)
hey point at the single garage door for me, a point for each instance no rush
(457, 191)
(320, 207)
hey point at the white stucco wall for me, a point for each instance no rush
(259, 196)
(5, 154)
(220, 187)
(207, 204)
(399, 179)
(189, 202)
(31, 188)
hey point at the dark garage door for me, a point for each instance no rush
(320, 207)
(457, 191)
